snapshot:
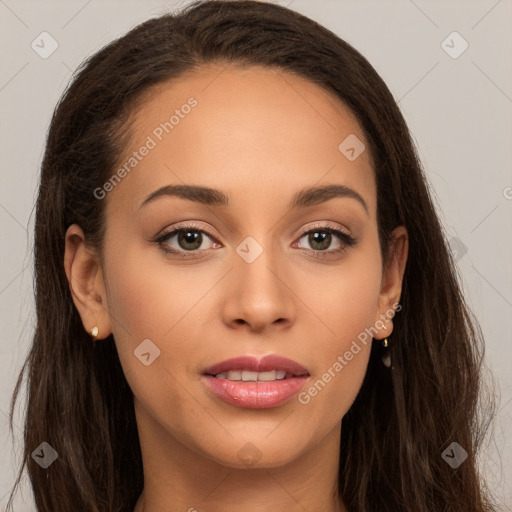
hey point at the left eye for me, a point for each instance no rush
(321, 238)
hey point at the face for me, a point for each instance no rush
(266, 272)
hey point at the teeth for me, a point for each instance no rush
(246, 375)
(267, 375)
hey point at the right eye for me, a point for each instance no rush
(185, 239)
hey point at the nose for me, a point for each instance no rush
(259, 296)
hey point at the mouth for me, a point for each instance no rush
(250, 376)
(251, 368)
(254, 383)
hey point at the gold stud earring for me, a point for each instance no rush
(94, 333)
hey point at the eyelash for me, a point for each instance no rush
(346, 239)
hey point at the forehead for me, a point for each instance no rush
(257, 133)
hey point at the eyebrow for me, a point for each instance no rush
(213, 197)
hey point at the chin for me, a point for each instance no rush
(257, 453)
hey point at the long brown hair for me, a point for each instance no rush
(402, 420)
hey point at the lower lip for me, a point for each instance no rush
(254, 394)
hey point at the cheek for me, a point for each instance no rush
(141, 308)
(144, 306)
(169, 305)
(347, 308)
(346, 299)
(148, 297)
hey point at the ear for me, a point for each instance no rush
(391, 284)
(85, 278)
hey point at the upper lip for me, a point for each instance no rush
(252, 363)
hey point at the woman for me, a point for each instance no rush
(244, 296)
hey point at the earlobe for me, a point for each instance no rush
(85, 278)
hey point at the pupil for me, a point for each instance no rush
(324, 240)
(189, 237)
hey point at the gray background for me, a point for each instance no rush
(458, 109)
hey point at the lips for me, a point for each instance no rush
(253, 364)
(252, 383)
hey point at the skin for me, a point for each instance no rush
(259, 135)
